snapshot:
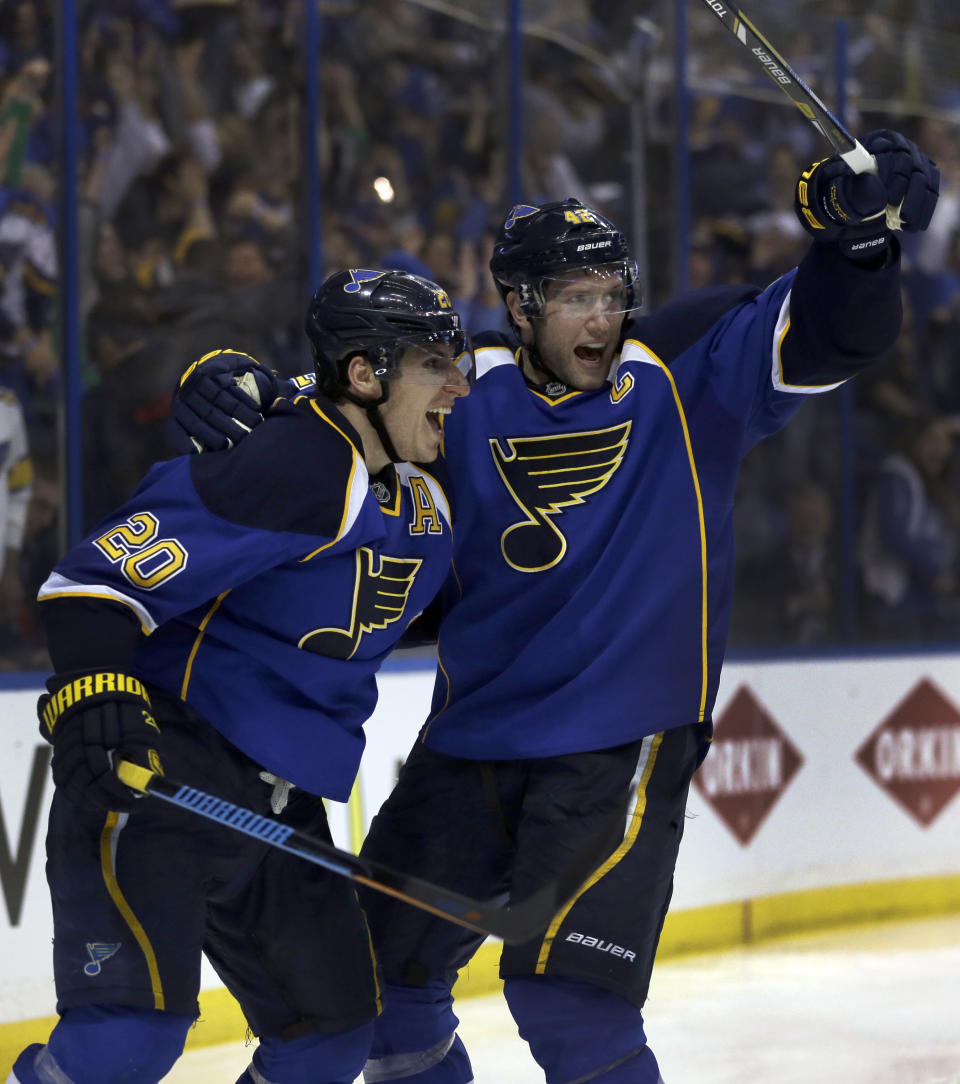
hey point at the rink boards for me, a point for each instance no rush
(830, 796)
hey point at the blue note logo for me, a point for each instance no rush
(358, 276)
(522, 210)
(381, 589)
(546, 476)
(98, 951)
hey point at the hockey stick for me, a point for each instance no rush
(850, 149)
(513, 924)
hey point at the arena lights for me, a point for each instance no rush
(384, 189)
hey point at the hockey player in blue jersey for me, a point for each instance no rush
(581, 641)
(227, 623)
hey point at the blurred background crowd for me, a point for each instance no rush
(191, 202)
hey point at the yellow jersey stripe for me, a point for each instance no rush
(347, 500)
(654, 360)
(196, 643)
(105, 593)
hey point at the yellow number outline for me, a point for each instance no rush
(133, 542)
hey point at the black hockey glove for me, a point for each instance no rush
(221, 398)
(90, 719)
(835, 204)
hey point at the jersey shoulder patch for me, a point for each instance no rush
(492, 349)
(676, 326)
(296, 471)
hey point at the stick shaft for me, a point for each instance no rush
(772, 61)
(514, 924)
(850, 149)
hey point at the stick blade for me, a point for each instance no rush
(514, 923)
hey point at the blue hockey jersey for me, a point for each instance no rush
(593, 551)
(271, 582)
(594, 572)
(594, 542)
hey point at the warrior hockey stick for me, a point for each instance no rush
(514, 924)
(850, 149)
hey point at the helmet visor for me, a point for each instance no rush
(606, 289)
(443, 359)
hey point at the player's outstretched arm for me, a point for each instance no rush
(834, 204)
(220, 399)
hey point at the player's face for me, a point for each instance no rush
(423, 391)
(578, 333)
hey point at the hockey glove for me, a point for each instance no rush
(221, 398)
(835, 204)
(91, 719)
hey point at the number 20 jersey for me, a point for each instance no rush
(272, 581)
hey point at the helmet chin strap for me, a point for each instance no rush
(372, 410)
(534, 358)
(380, 428)
(531, 352)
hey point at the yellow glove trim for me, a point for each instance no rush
(91, 685)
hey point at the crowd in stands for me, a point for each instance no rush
(191, 211)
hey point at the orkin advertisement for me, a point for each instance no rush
(823, 773)
(914, 754)
(750, 765)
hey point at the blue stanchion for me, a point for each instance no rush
(72, 451)
(515, 100)
(681, 157)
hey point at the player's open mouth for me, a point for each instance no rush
(435, 419)
(591, 353)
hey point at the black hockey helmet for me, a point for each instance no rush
(378, 314)
(536, 244)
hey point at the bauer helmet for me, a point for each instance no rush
(378, 314)
(537, 244)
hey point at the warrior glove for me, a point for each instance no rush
(90, 719)
(220, 399)
(835, 204)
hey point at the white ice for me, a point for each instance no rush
(877, 1005)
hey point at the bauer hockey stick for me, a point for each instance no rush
(850, 149)
(513, 924)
